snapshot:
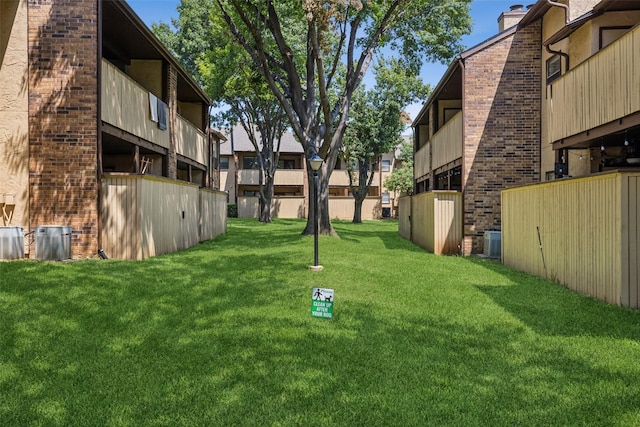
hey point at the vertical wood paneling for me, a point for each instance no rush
(404, 220)
(602, 89)
(631, 247)
(588, 227)
(191, 142)
(447, 143)
(436, 221)
(143, 216)
(421, 161)
(213, 213)
(125, 104)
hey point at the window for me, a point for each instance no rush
(554, 68)
(250, 162)
(386, 165)
(385, 198)
(224, 163)
(286, 164)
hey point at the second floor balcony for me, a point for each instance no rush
(126, 106)
(441, 149)
(601, 90)
(281, 177)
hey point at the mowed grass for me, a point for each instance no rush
(221, 334)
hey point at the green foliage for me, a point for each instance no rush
(401, 178)
(313, 54)
(375, 126)
(232, 210)
(221, 335)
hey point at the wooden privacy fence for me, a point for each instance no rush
(145, 216)
(608, 79)
(432, 221)
(281, 207)
(295, 207)
(583, 233)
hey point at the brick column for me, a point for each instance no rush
(502, 128)
(172, 104)
(63, 121)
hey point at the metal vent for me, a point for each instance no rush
(11, 243)
(53, 242)
(492, 244)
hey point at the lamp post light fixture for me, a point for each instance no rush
(315, 162)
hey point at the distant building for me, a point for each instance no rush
(240, 180)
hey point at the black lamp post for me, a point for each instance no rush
(315, 162)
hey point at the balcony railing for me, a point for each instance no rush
(191, 141)
(125, 105)
(422, 160)
(339, 177)
(282, 177)
(604, 88)
(447, 143)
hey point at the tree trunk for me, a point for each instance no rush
(324, 221)
(265, 209)
(357, 212)
(266, 195)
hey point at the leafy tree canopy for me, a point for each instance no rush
(313, 54)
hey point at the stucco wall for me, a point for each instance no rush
(14, 114)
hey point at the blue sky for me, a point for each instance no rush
(485, 15)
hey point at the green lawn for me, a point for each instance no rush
(221, 334)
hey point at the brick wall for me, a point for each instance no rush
(501, 128)
(172, 104)
(63, 118)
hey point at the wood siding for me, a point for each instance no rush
(343, 208)
(145, 216)
(339, 177)
(422, 161)
(125, 105)
(281, 207)
(295, 207)
(404, 217)
(282, 177)
(433, 221)
(588, 230)
(447, 143)
(604, 88)
(191, 141)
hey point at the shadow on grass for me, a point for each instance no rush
(388, 235)
(552, 309)
(213, 336)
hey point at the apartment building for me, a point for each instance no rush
(103, 132)
(477, 133)
(240, 180)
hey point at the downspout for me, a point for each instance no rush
(99, 171)
(561, 53)
(566, 22)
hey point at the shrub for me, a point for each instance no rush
(232, 210)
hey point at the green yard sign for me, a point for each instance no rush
(322, 303)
